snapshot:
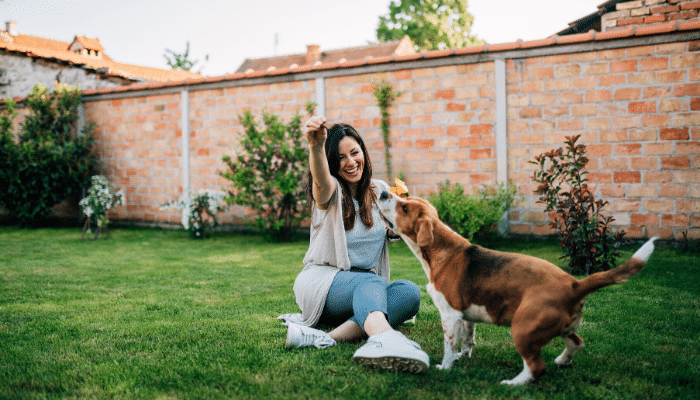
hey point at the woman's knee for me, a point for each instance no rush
(405, 290)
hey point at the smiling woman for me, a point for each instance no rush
(345, 280)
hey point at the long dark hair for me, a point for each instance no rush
(365, 195)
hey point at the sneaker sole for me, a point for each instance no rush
(409, 365)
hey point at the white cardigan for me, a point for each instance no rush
(328, 254)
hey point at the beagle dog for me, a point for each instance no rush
(470, 284)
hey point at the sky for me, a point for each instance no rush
(223, 33)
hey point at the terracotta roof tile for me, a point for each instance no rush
(37, 47)
(396, 47)
(552, 40)
(394, 58)
(505, 46)
(616, 34)
(689, 25)
(470, 50)
(89, 43)
(439, 53)
(576, 38)
(655, 29)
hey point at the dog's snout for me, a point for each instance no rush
(384, 195)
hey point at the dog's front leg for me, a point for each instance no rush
(451, 326)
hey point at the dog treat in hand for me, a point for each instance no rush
(400, 189)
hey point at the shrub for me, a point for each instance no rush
(48, 161)
(95, 206)
(199, 210)
(587, 242)
(473, 215)
(268, 174)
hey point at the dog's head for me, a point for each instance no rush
(412, 218)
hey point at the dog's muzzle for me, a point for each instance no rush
(385, 197)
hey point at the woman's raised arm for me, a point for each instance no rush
(323, 187)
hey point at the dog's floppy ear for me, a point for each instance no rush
(424, 234)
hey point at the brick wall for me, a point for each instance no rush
(649, 12)
(634, 102)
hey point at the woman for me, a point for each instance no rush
(344, 282)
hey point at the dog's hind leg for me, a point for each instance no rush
(468, 343)
(574, 343)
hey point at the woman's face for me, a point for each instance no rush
(352, 160)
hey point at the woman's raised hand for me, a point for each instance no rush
(315, 130)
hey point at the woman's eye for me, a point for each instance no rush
(405, 209)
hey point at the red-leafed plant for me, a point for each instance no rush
(588, 243)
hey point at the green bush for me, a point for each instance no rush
(268, 174)
(48, 161)
(473, 215)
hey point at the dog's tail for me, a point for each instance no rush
(617, 275)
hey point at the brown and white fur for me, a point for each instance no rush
(469, 284)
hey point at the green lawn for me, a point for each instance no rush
(151, 314)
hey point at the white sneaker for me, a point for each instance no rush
(392, 350)
(303, 336)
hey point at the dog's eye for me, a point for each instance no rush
(405, 208)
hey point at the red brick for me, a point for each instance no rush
(676, 220)
(645, 219)
(656, 120)
(688, 89)
(655, 19)
(479, 154)
(639, 107)
(674, 134)
(690, 6)
(695, 104)
(480, 129)
(656, 91)
(446, 94)
(626, 149)
(456, 106)
(530, 112)
(675, 162)
(671, 76)
(612, 80)
(665, 9)
(648, 64)
(568, 70)
(627, 94)
(627, 177)
(541, 73)
(459, 130)
(683, 15)
(598, 95)
(425, 143)
(630, 21)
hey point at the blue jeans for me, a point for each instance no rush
(353, 295)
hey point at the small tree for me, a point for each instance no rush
(268, 173)
(431, 24)
(182, 61)
(48, 160)
(588, 243)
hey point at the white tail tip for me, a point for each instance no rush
(645, 251)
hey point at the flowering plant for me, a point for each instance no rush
(100, 199)
(198, 210)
